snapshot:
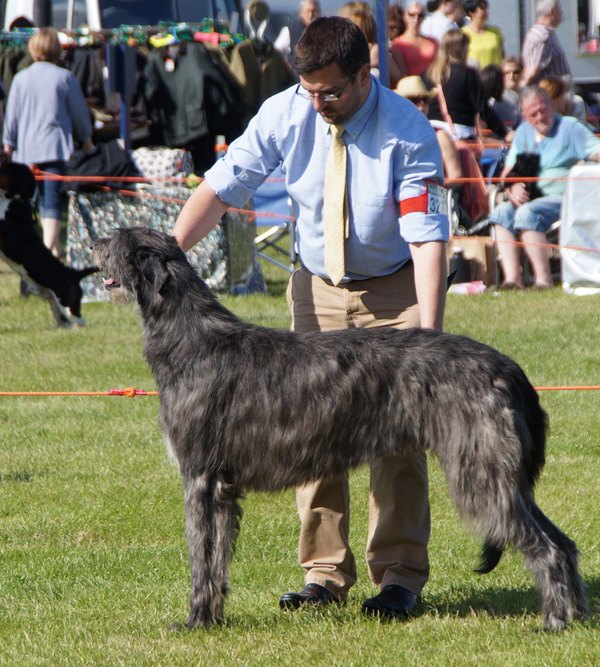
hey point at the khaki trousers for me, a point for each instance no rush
(399, 518)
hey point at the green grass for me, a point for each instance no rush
(93, 557)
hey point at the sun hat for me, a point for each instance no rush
(413, 86)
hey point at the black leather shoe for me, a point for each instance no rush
(313, 594)
(393, 601)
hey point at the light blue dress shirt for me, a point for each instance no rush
(392, 151)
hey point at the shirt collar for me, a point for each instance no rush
(357, 122)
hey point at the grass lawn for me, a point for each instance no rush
(93, 554)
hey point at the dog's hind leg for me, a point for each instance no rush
(575, 587)
(547, 553)
(212, 523)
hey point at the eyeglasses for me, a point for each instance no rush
(416, 100)
(416, 15)
(324, 97)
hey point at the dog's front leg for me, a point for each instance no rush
(212, 522)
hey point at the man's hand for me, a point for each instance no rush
(517, 194)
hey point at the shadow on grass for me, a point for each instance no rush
(277, 286)
(502, 602)
(454, 603)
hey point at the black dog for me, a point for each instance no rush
(22, 248)
(527, 165)
(245, 407)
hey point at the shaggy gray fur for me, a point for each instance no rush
(245, 407)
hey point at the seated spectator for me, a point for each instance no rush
(413, 88)
(493, 86)
(561, 142)
(564, 101)
(460, 92)
(485, 42)
(412, 53)
(512, 71)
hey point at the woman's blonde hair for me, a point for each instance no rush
(45, 46)
(554, 86)
(360, 14)
(453, 49)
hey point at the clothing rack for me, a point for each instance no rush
(121, 43)
(209, 30)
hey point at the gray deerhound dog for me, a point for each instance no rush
(249, 408)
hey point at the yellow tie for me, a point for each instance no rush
(334, 222)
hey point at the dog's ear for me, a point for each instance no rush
(154, 272)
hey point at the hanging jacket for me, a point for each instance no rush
(190, 98)
(261, 72)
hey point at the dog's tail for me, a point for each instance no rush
(490, 557)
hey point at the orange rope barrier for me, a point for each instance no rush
(129, 392)
(582, 388)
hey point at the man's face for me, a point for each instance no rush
(538, 112)
(331, 80)
(309, 11)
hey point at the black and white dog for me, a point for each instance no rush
(23, 250)
(249, 408)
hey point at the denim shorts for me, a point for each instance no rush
(51, 198)
(536, 216)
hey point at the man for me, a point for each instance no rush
(443, 18)
(288, 37)
(393, 165)
(561, 142)
(542, 53)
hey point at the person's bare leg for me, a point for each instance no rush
(51, 235)
(537, 250)
(510, 255)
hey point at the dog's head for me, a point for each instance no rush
(526, 165)
(135, 261)
(16, 180)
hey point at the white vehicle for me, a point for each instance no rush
(106, 14)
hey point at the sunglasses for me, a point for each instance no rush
(416, 100)
(416, 14)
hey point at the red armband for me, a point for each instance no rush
(433, 200)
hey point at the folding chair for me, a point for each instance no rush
(271, 238)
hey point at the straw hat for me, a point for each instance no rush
(413, 86)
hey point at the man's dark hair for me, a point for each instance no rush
(328, 40)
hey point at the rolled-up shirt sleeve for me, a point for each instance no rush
(420, 193)
(248, 162)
